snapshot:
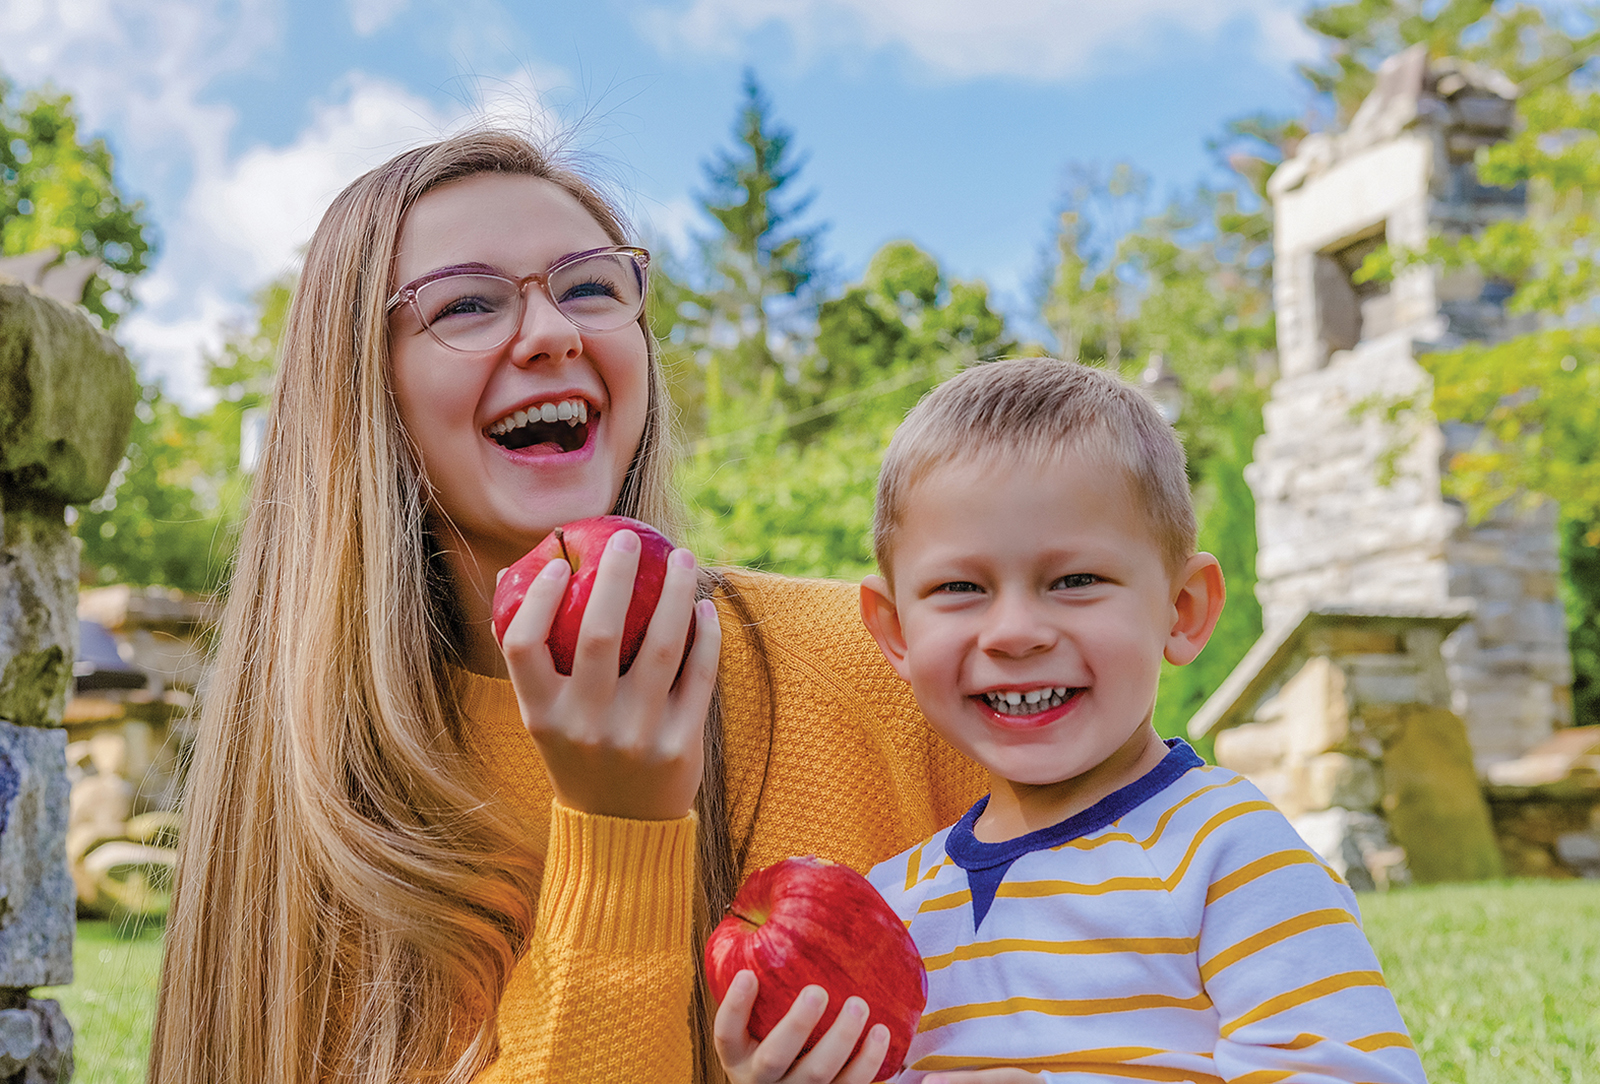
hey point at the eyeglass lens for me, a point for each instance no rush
(479, 312)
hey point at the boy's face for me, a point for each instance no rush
(1031, 610)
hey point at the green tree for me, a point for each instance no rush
(1193, 286)
(760, 269)
(1519, 40)
(172, 510)
(791, 490)
(56, 189)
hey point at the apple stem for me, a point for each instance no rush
(743, 918)
(561, 540)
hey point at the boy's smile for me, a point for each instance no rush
(1030, 612)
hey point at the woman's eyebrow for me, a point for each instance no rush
(455, 269)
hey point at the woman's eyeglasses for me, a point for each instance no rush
(598, 290)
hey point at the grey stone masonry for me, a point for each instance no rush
(67, 394)
(1349, 475)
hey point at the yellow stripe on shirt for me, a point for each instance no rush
(1059, 1007)
(1081, 1062)
(1299, 996)
(1148, 946)
(1328, 916)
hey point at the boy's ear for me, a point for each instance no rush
(883, 621)
(1196, 607)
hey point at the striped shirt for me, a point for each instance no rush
(1178, 930)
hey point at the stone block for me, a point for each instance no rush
(1580, 852)
(38, 623)
(1432, 799)
(1357, 845)
(1338, 779)
(1341, 640)
(67, 394)
(1315, 713)
(36, 893)
(35, 1043)
(1251, 748)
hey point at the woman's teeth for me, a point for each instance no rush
(1031, 702)
(572, 411)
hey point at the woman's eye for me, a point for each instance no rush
(589, 288)
(1077, 579)
(470, 305)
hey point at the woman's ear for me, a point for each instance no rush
(883, 621)
(1196, 606)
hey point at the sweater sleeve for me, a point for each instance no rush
(612, 944)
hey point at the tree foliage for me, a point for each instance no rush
(791, 490)
(58, 190)
(1520, 40)
(170, 514)
(1193, 285)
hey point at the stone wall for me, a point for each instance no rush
(1342, 719)
(66, 406)
(1349, 474)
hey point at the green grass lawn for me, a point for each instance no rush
(1499, 983)
(112, 999)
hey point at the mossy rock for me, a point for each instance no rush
(67, 393)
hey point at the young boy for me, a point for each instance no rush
(1114, 910)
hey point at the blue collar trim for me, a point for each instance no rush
(986, 863)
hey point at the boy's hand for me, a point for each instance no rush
(772, 1060)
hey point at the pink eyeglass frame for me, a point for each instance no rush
(408, 292)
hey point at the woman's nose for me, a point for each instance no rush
(1015, 627)
(545, 333)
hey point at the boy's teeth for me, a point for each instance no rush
(1031, 702)
(571, 411)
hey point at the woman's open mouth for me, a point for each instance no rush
(563, 425)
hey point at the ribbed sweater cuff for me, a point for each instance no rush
(618, 886)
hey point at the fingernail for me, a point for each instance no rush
(624, 542)
(681, 559)
(553, 570)
(816, 996)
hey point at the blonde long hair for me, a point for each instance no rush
(351, 898)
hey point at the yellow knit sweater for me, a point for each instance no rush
(856, 776)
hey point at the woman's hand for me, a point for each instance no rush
(628, 746)
(772, 1060)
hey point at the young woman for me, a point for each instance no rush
(407, 855)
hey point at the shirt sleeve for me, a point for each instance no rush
(1297, 988)
(612, 943)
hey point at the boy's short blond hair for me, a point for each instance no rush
(1039, 409)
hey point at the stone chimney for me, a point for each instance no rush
(1348, 475)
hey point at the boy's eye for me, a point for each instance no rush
(1077, 579)
(957, 587)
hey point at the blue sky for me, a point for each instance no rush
(948, 122)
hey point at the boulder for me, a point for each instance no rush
(67, 394)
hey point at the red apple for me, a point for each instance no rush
(805, 921)
(580, 544)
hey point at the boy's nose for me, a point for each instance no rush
(1015, 628)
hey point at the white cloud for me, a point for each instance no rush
(261, 208)
(370, 16)
(1040, 40)
(227, 223)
